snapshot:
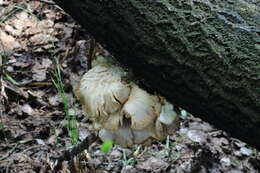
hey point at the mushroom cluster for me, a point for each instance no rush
(120, 110)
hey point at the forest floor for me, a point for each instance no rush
(40, 46)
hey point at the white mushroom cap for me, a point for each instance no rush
(167, 114)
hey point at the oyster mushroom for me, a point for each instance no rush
(124, 112)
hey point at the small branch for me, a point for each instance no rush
(70, 153)
(91, 53)
(48, 2)
(10, 152)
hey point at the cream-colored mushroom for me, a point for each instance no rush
(122, 136)
(167, 114)
(141, 107)
(122, 111)
(103, 93)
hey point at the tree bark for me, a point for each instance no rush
(201, 55)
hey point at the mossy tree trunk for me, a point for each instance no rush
(202, 55)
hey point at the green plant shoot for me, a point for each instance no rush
(105, 147)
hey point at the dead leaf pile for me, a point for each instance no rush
(36, 37)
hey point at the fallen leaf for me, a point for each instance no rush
(40, 69)
(197, 136)
(8, 41)
(26, 108)
(153, 164)
(128, 169)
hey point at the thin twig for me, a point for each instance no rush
(39, 84)
(91, 53)
(70, 153)
(48, 2)
(10, 152)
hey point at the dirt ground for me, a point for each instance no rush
(40, 46)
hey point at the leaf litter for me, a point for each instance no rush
(32, 120)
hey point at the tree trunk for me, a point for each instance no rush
(201, 55)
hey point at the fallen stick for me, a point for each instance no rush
(74, 151)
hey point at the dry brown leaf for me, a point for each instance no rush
(26, 108)
(8, 41)
(153, 164)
